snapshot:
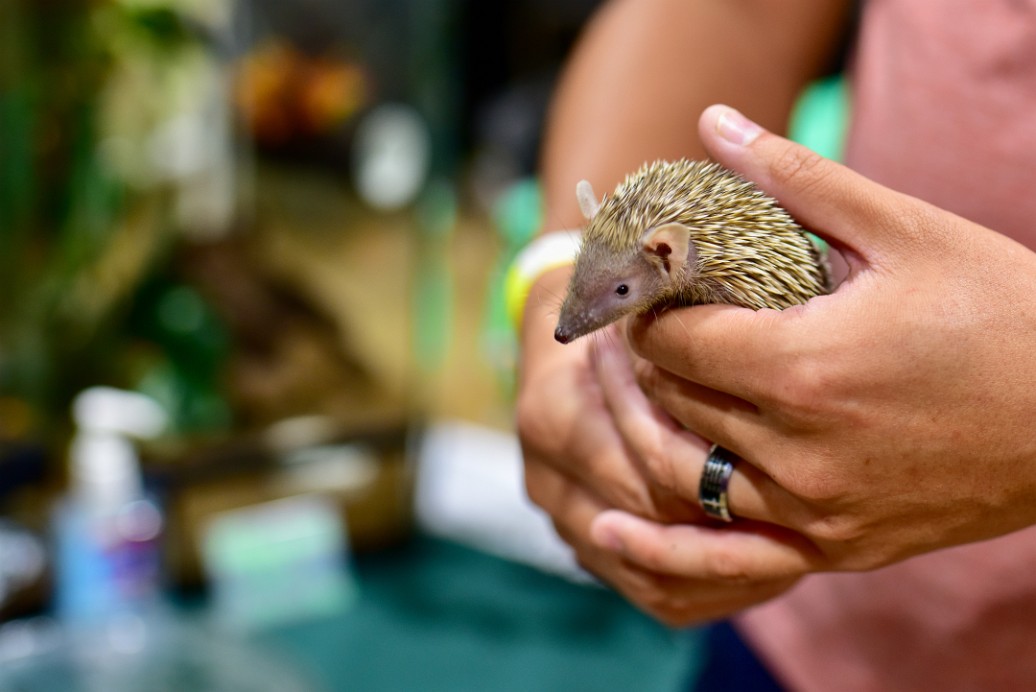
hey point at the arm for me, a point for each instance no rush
(633, 92)
(646, 69)
(640, 78)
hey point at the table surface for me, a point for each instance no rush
(433, 615)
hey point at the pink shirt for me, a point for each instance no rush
(944, 109)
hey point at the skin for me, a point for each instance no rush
(885, 420)
(897, 450)
(577, 463)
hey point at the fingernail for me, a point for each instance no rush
(736, 128)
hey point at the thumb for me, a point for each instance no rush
(829, 199)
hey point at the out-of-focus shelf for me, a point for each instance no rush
(360, 266)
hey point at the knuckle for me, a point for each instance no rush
(834, 529)
(798, 166)
(919, 219)
(657, 462)
(628, 495)
(806, 386)
(849, 542)
(815, 485)
(816, 389)
(917, 223)
(663, 473)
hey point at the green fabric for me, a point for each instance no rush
(821, 117)
(436, 616)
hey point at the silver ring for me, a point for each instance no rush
(712, 489)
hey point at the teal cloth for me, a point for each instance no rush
(437, 616)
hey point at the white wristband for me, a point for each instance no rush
(546, 252)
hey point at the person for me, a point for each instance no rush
(885, 481)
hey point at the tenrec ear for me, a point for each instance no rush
(669, 245)
(588, 202)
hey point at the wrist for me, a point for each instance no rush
(536, 344)
(545, 254)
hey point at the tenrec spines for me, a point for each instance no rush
(750, 252)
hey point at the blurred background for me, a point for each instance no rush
(255, 370)
(255, 367)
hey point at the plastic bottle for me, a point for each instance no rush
(107, 561)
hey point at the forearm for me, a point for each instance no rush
(646, 69)
(638, 81)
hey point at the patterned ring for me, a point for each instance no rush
(712, 490)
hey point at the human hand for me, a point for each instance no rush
(890, 418)
(577, 464)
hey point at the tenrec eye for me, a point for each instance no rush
(622, 289)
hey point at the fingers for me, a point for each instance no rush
(674, 457)
(714, 415)
(740, 553)
(721, 347)
(684, 601)
(649, 429)
(573, 432)
(572, 509)
(825, 196)
(672, 598)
